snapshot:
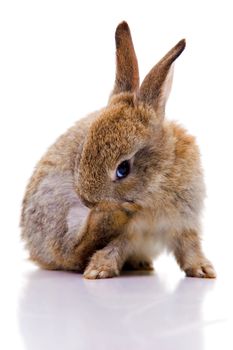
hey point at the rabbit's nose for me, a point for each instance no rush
(86, 202)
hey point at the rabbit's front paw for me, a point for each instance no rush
(101, 267)
(202, 270)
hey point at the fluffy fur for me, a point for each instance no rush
(77, 216)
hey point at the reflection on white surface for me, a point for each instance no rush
(60, 310)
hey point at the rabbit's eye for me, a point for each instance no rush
(123, 169)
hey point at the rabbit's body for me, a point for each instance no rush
(121, 185)
(51, 207)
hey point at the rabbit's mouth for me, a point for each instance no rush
(128, 200)
(90, 205)
(86, 202)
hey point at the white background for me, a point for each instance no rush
(57, 64)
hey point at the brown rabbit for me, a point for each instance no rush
(122, 184)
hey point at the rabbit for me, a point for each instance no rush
(122, 185)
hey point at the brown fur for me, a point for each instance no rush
(78, 216)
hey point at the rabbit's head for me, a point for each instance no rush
(125, 144)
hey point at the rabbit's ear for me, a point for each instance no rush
(156, 86)
(127, 76)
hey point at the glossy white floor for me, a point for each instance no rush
(163, 310)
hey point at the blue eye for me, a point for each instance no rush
(123, 169)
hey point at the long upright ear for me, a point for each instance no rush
(156, 86)
(127, 76)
